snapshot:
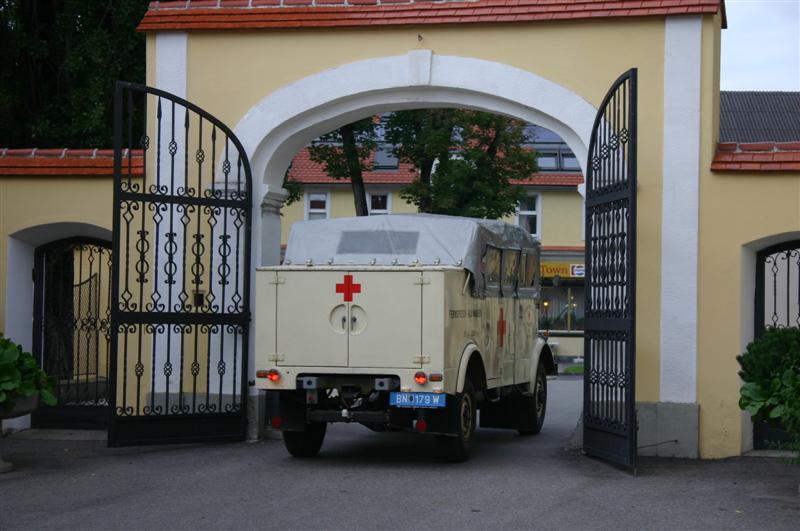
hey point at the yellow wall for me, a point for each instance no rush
(584, 56)
(562, 217)
(735, 210)
(30, 201)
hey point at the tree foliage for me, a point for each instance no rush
(59, 60)
(466, 160)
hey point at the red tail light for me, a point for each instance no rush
(437, 377)
(421, 426)
(275, 422)
(273, 375)
(421, 378)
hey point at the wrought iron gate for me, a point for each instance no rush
(609, 407)
(181, 272)
(777, 301)
(72, 332)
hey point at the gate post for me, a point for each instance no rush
(271, 206)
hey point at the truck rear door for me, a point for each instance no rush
(386, 318)
(312, 319)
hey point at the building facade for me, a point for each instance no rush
(708, 206)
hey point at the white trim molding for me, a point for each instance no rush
(681, 200)
(171, 59)
(285, 121)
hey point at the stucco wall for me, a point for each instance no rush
(229, 73)
(28, 202)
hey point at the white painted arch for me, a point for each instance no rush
(285, 121)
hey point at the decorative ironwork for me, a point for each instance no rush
(71, 337)
(609, 411)
(777, 301)
(181, 285)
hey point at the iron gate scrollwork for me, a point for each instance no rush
(609, 407)
(777, 303)
(181, 272)
(72, 329)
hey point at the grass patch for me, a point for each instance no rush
(575, 369)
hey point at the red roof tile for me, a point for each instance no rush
(65, 162)
(758, 157)
(274, 14)
(306, 171)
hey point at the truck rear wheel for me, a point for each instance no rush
(456, 449)
(535, 405)
(305, 443)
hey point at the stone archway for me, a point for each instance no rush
(282, 123)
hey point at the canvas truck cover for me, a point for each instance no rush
(403, 239)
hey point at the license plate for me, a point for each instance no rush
(421, 400)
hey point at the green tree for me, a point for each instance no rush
(345, 154)
(466, 160)
(59, 60)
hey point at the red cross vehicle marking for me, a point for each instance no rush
(348, 288)
(501, 328)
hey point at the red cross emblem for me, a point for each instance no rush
(501, 328)
(348, 288)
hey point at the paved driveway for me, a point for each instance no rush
(365, 480)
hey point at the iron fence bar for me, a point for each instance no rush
(178, 262)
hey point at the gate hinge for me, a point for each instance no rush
(422, 360)
(277, 280)
(277, 357)
(421, 281)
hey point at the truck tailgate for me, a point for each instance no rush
(339, 318)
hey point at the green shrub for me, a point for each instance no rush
(769, 356)
(780, 401)
(20, 376)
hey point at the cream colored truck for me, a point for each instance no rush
(402, 322)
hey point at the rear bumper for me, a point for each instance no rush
(288, 411)
(290, 375)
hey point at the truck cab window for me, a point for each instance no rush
(491, 269)
(510, 267)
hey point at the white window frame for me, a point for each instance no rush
(388, 195)
(537, 212)
(307, 202)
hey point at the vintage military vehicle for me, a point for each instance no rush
(402, 322)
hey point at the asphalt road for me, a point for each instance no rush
(366, 480)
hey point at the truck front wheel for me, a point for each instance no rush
(305, 443)
(456, 449)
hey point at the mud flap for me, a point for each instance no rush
(289, 407)
(442, 421)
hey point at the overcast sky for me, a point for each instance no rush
(761, 47)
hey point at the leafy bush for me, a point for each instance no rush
(20, 376)
(781, 401)
(769, 356)
(771, 372)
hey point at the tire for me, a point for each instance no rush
(534, 407)
(457, 449)
(305, 443)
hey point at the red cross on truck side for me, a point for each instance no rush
(348, 288)
(501, 328)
